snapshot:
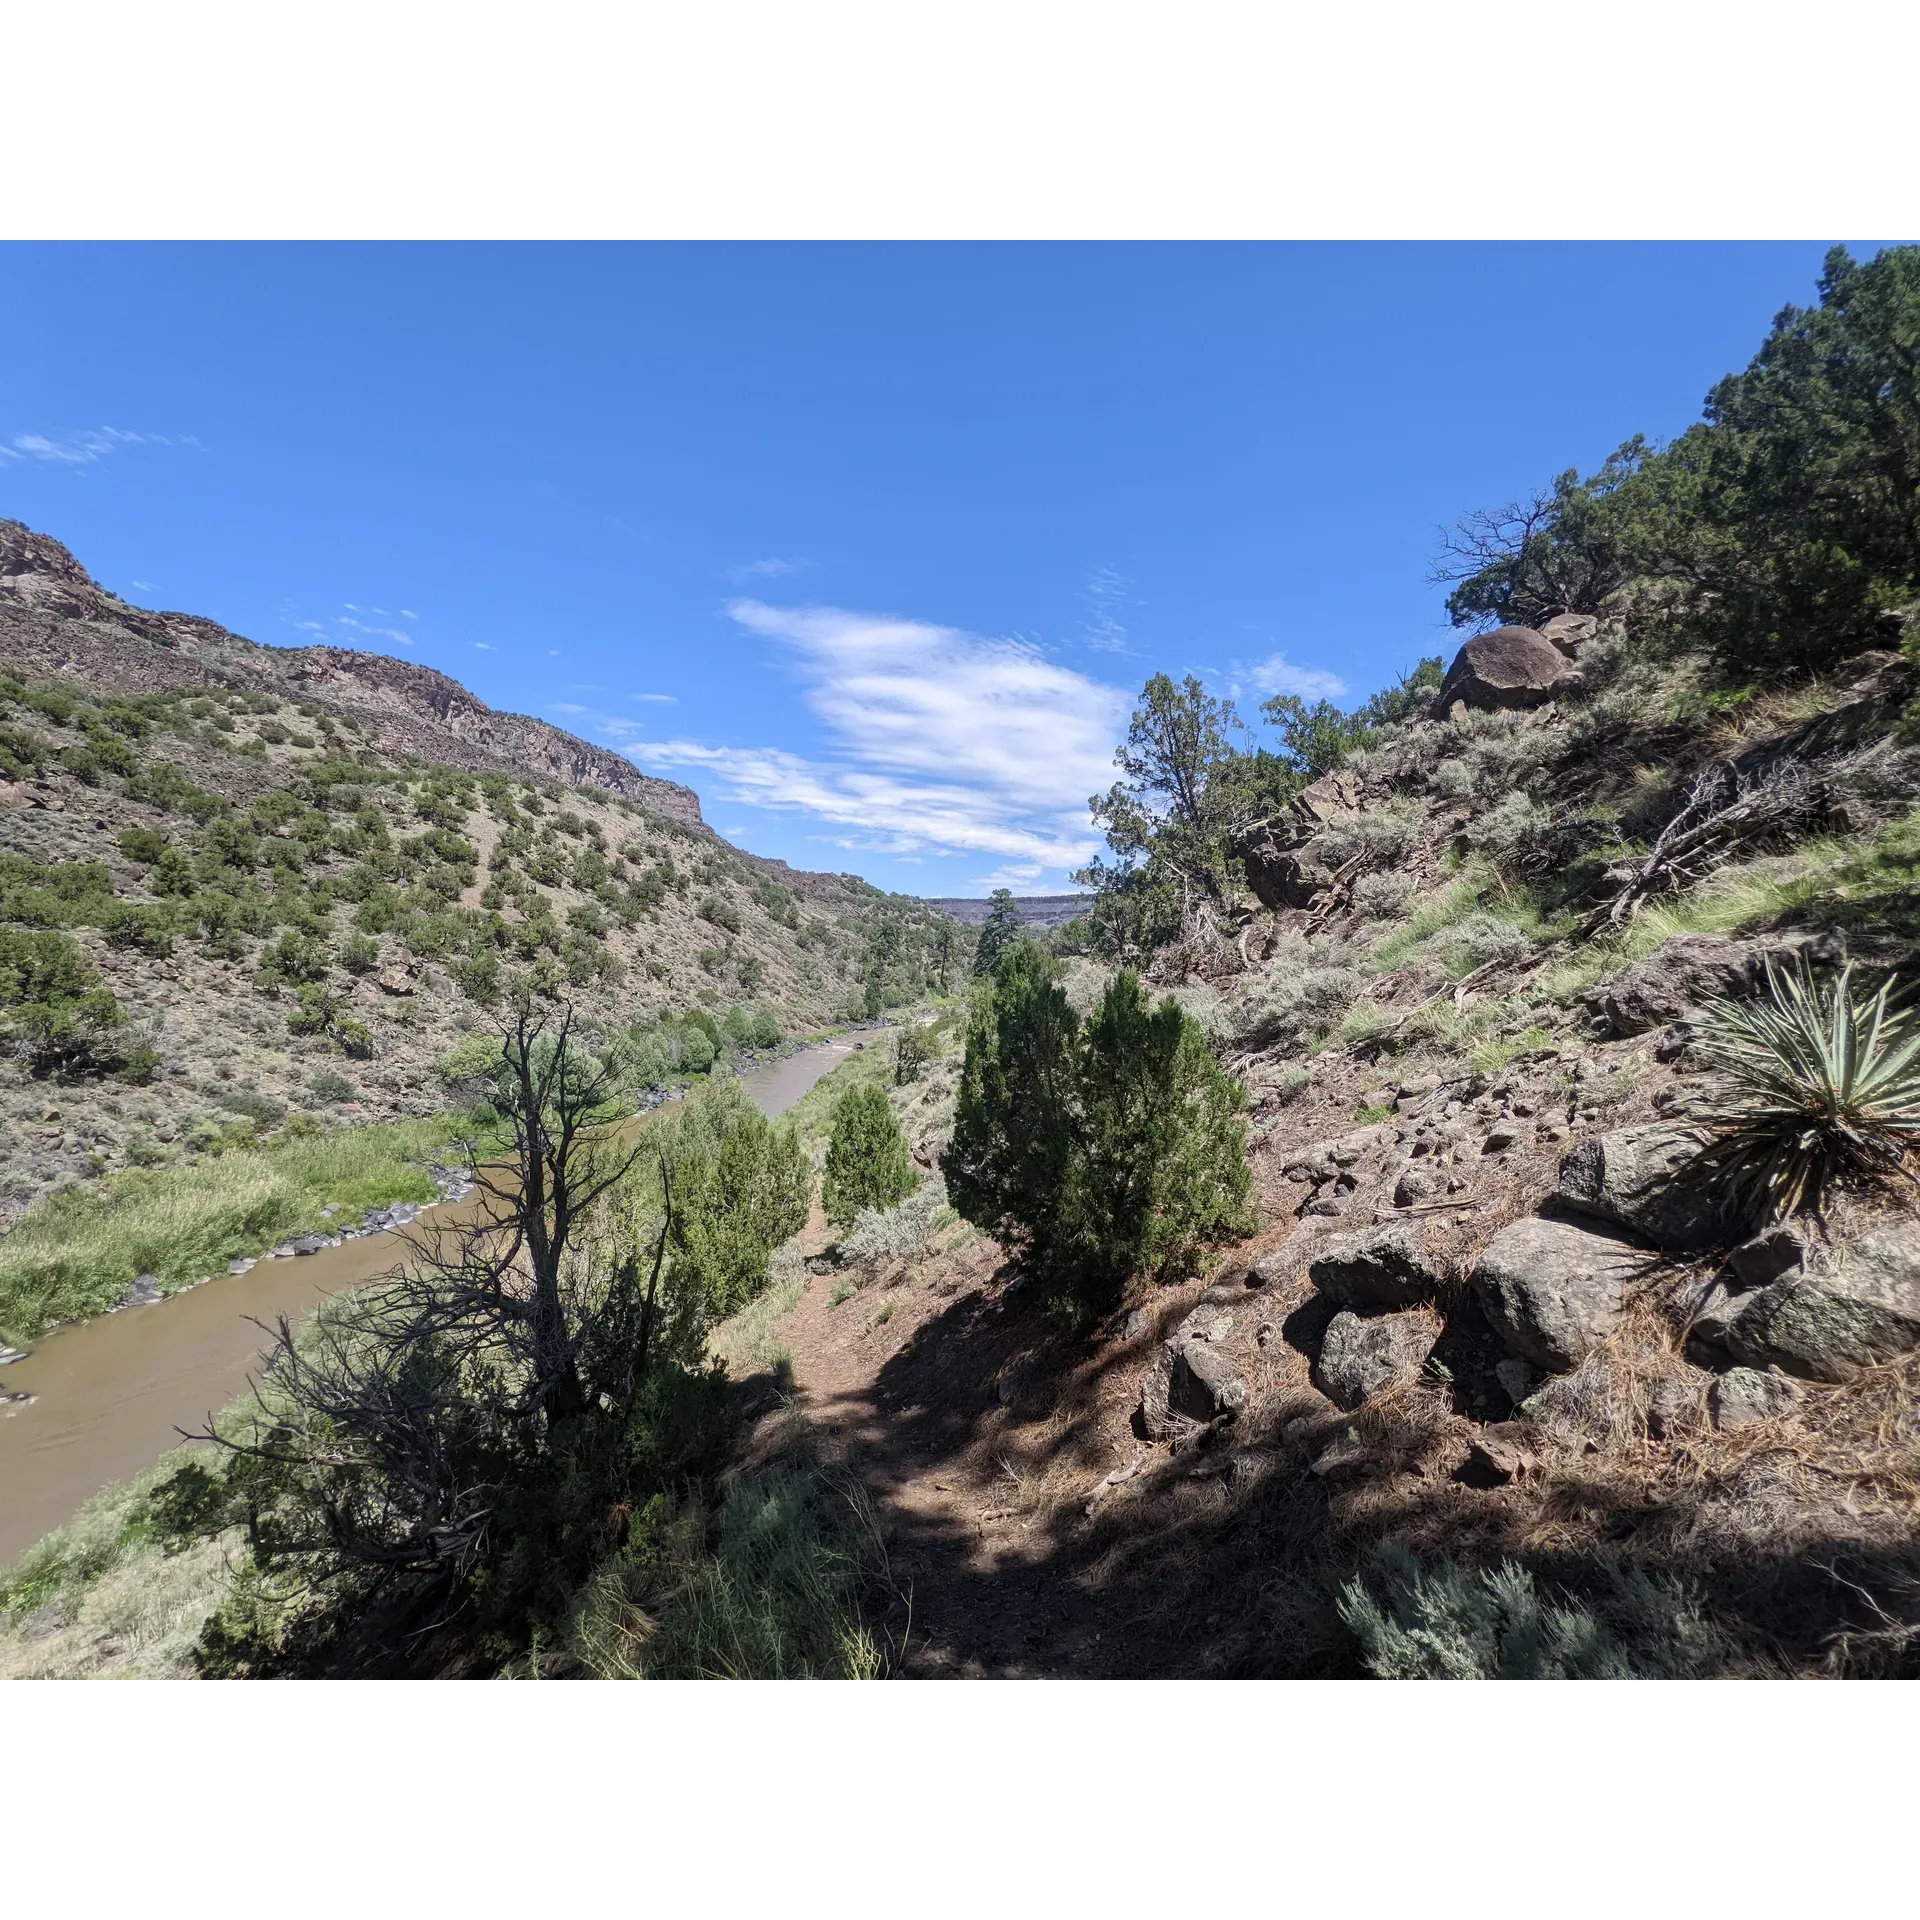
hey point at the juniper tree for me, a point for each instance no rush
(867, 1162)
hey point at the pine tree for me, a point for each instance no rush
(1002, 928)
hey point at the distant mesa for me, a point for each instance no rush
(1036, 909)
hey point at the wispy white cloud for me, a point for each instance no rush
(85, 448)
(941, 740)
(146, 586)
(1277, 674)
(377, 633)
(662, 699)
(769, 569)
(1106, 598)
(483, 646)
(407, 613)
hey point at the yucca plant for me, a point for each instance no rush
(1825, 1088)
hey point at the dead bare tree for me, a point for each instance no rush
(392, 1429)
(1724, 810)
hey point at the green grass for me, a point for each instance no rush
(1492, 1055)
(843, 1289)
(768, 1588)
(748, 1343)
(1829, 881)
(76, 1252)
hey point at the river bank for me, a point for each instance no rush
(110, 1394)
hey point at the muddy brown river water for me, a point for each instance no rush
(114, 1392)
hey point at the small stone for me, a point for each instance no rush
(1516, 1378)
(308, 1243)
(1500, 1453)
(1499, 1138)
(1415, 1185)
(1267, 1335)
(1325, 1204)
(1346, 1455)
(1220, 1296)
(1137, 1323)
(239, 1266)
(1671, 1404)
(1771, 1255)
(1743, 1395)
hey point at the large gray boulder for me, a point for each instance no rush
(1553, 1289)
(1742, 1395)
(1388, 1267)
(1509, 667)
(1692, 971)
(1849, 1307)
(1365, 1354)
(1647, 1178)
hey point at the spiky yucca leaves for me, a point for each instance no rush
(1825, 1089)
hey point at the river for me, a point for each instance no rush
(113, 1392)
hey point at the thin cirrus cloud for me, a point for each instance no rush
(941, 742)
(1277, 674)
(1102, 631)
(85, 448)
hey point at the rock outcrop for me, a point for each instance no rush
(57, 620)
(1509, 667)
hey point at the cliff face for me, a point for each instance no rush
(55, 619)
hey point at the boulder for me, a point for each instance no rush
(1284, 877)
(1509, 667)
(1743, 1395)
(397, 980)
(1569, 631)
(1553, 1289)
(1204, 1385)
(1387, 1267)
(1189, 1380)
(1646, 1178)
(1691, 971)
(1851, 1307)
(1362, 1355)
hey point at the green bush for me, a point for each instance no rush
(1102, 1150)
(142, 844)
(768, 1588)
(739, 1186)
(56, 1013)
(867, 1164)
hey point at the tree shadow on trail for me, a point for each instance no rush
(1224, 1558)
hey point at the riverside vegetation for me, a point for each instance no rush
(1446, 1209)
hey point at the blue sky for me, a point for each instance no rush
(871, 545)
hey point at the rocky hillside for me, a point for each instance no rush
(56, 621)
(1501, 1384)
(239, 881)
